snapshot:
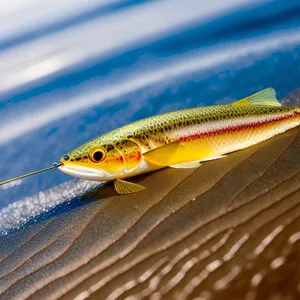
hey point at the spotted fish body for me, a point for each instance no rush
(182, 137)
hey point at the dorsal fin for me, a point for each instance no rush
(264, 97)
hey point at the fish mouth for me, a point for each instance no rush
(83, 172)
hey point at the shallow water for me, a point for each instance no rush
(89, 70)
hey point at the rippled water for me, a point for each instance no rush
(86, 69)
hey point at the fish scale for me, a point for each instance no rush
(163, 127)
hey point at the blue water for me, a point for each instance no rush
(56, 96)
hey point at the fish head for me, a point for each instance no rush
(102, 161)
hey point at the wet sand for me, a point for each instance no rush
(227, 230)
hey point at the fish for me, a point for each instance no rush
(179, 139)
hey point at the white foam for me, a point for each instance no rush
(18, 213)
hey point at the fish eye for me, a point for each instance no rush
(97, 154)
(66, 157)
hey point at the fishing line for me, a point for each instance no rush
(55, 165)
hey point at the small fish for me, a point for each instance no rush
(179, 139)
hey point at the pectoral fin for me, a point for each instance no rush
(124, 187)
(162, 155)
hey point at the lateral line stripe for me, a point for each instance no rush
(237, 127)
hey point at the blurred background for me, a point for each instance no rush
(72, 70)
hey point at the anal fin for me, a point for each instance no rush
(212, 158)
(187, 165)
(195, 164)
(125, 187)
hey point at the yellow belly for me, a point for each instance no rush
(226, 141)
